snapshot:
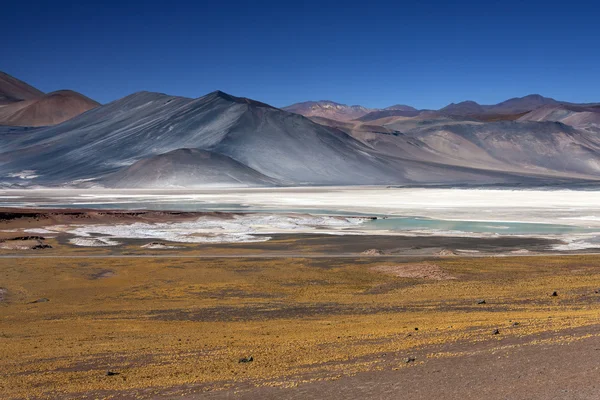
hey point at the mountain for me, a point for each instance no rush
(328, 109)
(520, 104)
(581, 117)
(463, 108)
(544, 148)
(341, 112)
(186, 168)
(511, 109)
(400, 107)
(283, 146)
(48, 109)
(24, 105)
(13, 90)
(155, 140)
(375, 115)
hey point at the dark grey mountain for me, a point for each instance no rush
(187, 168)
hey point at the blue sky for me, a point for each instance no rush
(426, 54)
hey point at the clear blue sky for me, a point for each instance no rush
(423, 53)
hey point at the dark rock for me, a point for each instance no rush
(42, 300)
(410, 359)
(246, 359)
(515, 324)
(554, 294)
(27, 238)
(41, 246)
(496, 332)
(416, 329)
(480, 301)
(111, 373)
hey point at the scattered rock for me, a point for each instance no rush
(410, 359)
(41, 246)
(26, 238)
(554, 294)
(446, 253)
(496, 332)
(24, 243)
(372, 252)
(480, 301)
(111, 373)
(158, 246)
(42, 300)
(515, 324)
(102, 274)
(246, 359)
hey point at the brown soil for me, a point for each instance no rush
(556, 366)
(424, 270)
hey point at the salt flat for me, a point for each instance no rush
(572, 216)
(574, 207)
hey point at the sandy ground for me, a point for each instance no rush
(322, 316)
(554, 366)
(177, 328)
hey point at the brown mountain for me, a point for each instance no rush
(24, 105)
(13, 90)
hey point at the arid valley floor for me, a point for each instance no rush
(302, 315)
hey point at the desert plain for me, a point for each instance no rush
(312, 312)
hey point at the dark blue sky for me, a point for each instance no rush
(426, 54)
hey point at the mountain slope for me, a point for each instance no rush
(516, 147)
(49, 109)
(24, 105)
(13, 90)
(186, 168)
(581, 117)
(375, 115)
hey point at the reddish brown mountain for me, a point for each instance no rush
(24, 105)
(13, 90)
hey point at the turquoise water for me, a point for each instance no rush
(503, 228)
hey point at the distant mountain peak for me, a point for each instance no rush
(219, 94)
(400, 107)
(328, 109)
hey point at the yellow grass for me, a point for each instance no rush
(179, 322)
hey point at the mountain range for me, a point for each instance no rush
(153, 140)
